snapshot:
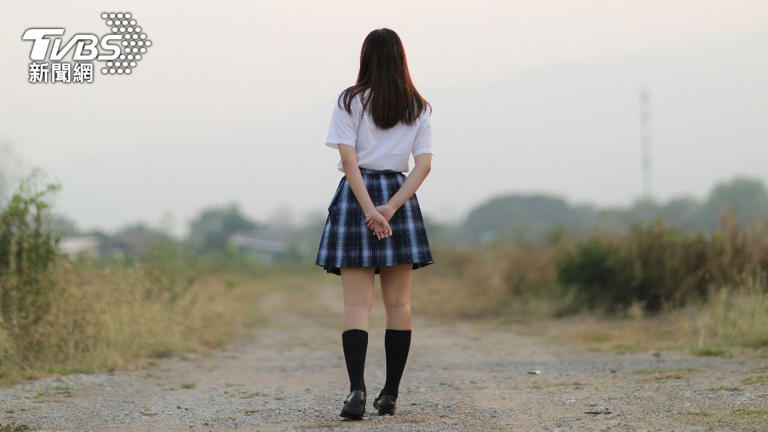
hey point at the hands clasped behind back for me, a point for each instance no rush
(378, 221)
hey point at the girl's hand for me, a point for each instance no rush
(378, 223)
(385, 210)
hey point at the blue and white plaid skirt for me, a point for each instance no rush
(347, 242)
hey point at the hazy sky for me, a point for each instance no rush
(232, 101)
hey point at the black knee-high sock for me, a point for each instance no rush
(396, 344)
(355, 343)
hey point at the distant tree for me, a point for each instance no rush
(282, 218)
(532, 216)
(680, 212)
(213, 227)
(525, 215)
(748, 198)
(63, 225)
(11, 172)
(642, 211)
(138, 238)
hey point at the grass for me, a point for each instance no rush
(558, 385)
(720, 308)
(731, 320)
(710, 352)
(756, 380)
(760, 412)
(54, 391)
(725, 388)
(663, 371)
(14, 427)
(93, 328)
(616, 335)
(663, 374)
(731, 317)
(105, 318)
(751, 416)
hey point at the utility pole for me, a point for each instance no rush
(645, 140)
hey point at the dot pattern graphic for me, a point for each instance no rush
(134, 41)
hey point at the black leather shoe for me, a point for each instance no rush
(354, 405)
(385, 404)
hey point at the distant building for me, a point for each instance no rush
(86, 245)
(268, 244)
(128, 243)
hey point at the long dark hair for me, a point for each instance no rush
(384, 71)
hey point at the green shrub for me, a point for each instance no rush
(659, 266)
(599, 269)
(28, 252)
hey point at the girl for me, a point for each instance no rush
(374, 223)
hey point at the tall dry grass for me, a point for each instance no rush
(59, 315)
(494, 280)
(709, 291)
(107, 318)
(732, 316)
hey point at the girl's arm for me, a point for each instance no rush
(355, 179)
(423, 165)
(422, 156)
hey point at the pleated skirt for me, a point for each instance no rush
(347, 242)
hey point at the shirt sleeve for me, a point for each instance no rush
(423, 141)
(342, 129)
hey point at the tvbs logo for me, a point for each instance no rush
(119, 51)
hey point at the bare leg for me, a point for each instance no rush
(396, 292)
(357, 284)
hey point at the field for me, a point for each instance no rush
(576, 332)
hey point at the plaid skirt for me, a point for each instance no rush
(347, 242)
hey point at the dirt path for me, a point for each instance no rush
(460, 376)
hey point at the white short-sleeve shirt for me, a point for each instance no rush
(376, 148)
